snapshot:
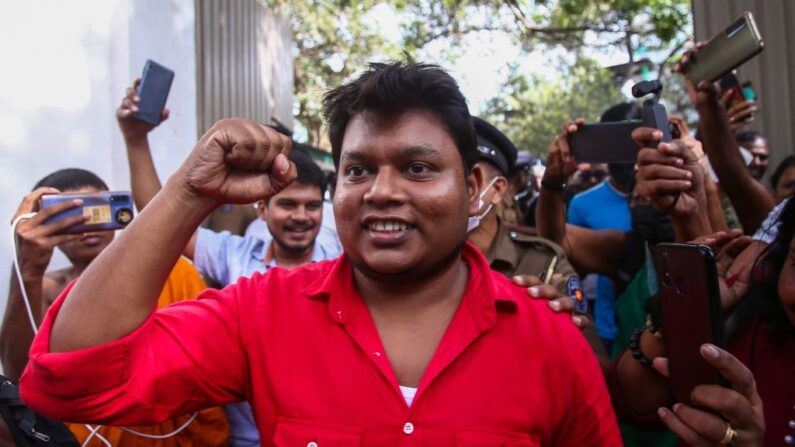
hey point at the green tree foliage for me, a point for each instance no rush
(532, 111)
(334, 40)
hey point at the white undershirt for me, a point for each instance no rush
(408, 394)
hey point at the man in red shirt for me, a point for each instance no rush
(408, 338)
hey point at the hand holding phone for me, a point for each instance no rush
(153, 92)
(132, 128)
(36, 240)
(691, 314)
(730, 48)
(101, 211)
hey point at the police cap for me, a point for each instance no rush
(494, 146)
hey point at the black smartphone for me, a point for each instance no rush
(605, 142)
(106, 211)
(691, 314)
(153, 91)
(726, 50)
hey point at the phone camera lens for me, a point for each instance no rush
(124, 216)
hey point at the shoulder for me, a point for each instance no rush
(536, 243)
(590, 193)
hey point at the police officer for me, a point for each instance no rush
(511, 252)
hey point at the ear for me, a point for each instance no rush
(474, 183)
(500, 188)
(262, 210)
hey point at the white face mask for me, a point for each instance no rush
(474, 221)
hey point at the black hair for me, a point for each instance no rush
(763, 300)
(70, 179)
(309, 173)
(748, 136)
(621, 112)
(783, 166)
(391, 89)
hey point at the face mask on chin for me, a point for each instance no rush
(474, 221)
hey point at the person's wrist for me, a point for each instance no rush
(178, 189)
(134, 139)
(553, 184)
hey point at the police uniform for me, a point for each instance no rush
(512, 253)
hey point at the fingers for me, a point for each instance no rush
(737, 374)
(643, 135)
(526, 280)
(682, 430)
(660, 365)
(694, 427)
(732, 405)
(30, 202)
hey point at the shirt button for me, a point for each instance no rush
(789, 440)
(408, 428)
(792, 425)
(311, 444)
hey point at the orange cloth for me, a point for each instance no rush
(210, 428)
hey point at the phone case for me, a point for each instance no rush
(727, 50)
(691, 314)
(107, 210)
(605, 142)
(153, 91)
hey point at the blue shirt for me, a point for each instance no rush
(224, 257)
(602, 208)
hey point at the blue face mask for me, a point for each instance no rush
(474, 221)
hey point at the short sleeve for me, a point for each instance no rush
(168, 366)
(574, 213)
(768, 231)
(213, 252)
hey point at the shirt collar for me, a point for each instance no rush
(484, 294)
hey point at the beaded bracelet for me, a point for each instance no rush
(634, 348)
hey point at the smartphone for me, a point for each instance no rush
(730, 83)
(605, 142)
(691, 314)
(153, 91)
(748, 91)
(106, 211)
(727, 50)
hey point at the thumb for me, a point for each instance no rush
(282, 173)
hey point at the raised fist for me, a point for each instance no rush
(239, 161)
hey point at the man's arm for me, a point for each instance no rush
(36, 242)
(750, 198)
(144, 180)
(236, 161)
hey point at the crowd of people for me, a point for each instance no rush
(429, 294)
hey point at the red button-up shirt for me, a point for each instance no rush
(301, 346)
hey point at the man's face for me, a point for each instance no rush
(294, 216)
(89, 245)
(402, 198)
(786, 184)
(760, 152)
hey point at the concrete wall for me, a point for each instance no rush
(66, 65)
(772, 72)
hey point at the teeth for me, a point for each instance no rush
(388, 226)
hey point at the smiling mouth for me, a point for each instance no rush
(388, 226)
